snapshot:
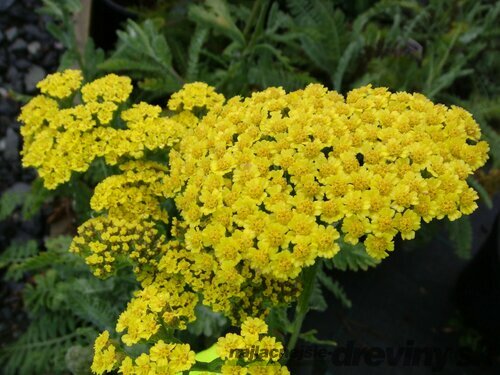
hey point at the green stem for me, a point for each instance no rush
(308, 279)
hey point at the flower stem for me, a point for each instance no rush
(308, 279)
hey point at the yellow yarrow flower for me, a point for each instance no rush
(60, 85)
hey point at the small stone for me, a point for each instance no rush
(11, 33)
(4, 125)
(12, 74)
(50, 59)
(8, 107)
(11, 145)
(18, 45)
(22, 64)
(34, 47)
(3, 59)
(19, 187)
(31, 32)
(35, 74)
(5, 4)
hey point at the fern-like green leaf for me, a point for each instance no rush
(311, 337)
(317, 301)
(324, 31)
(350, 53)
(266, 74)
(14, 256)
(9, 201)
(207, 323)
(335, 288)
(197, 41)
(42, 348)
(35, 199)
(143, 52)
(215, 14)
(460, 233)
(353, 258)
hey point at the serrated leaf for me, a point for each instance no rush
(460, 233)
(278, 319)
(353, 258)
(15, 255)
(92, 57)
(215, 14)
(310, 336)
(335, 288)
(42, 348)
(9, 201)
(35, 198)
(207, 323)
(317, 301)
(143, 52)
(350, 52)
(197, 41)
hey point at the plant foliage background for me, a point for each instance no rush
(446, 49)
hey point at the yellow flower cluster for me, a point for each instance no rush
(161, 302)
(61, 85)
(251, 352)
(195, 95)
(162, 359)
(259, 187)
(105, 355)
(59, 140)
(286, 171)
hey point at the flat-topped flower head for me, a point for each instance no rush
(61, 85)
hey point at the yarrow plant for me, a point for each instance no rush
(226, 202)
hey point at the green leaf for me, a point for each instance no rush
(278, 319)
(207, 355)
(92, 57)
(324, 31)
(42, 348)
(483, 194)
(15, 255)
(207, 323)
(335, 288)
(59, 244)
(350, 53)
(143, 52)
(460, 233)
(35, 199)
(493, 139)
(266, 73)
(198, 39)
(317, 301)
(9, 201)
(215, 14)
(353, 258)
(310, 336)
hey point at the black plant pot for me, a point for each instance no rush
(107, 17)
(478, 290)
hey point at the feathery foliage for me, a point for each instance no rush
(66, 305)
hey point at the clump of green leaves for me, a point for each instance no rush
(67, 307)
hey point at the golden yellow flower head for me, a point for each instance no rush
(61, 85)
